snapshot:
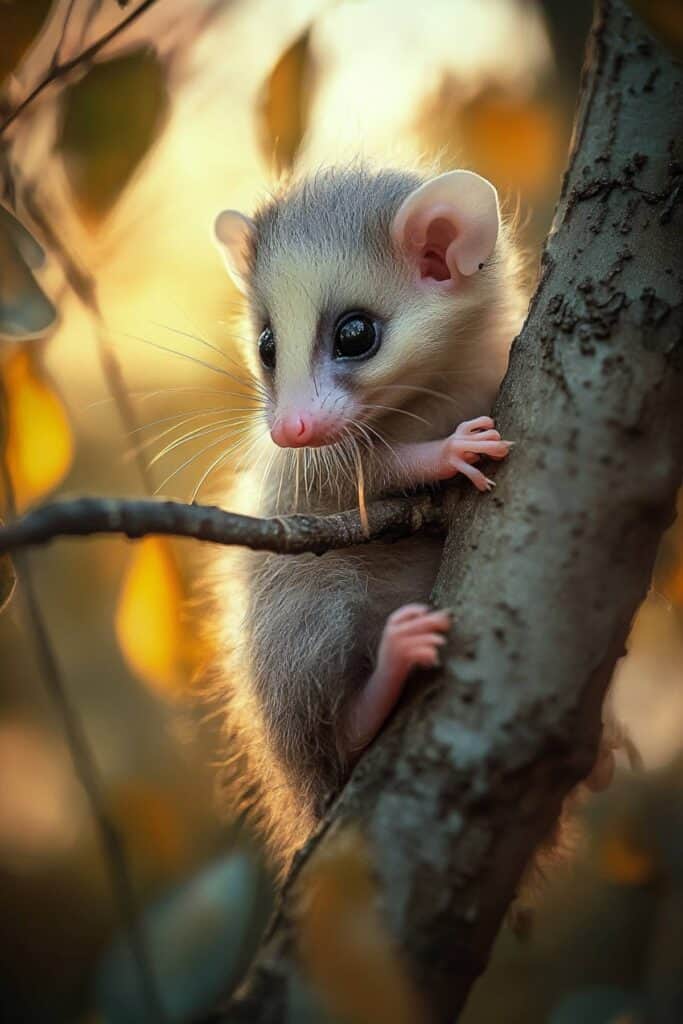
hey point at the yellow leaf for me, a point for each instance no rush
(150, 623)
(665, 19)
(152, 826)
(625, 862)
(515, 142)
(282, 107)
(39, 446)
(344, 945)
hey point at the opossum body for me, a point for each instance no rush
(382, 307)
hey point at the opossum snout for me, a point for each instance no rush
(302, 429)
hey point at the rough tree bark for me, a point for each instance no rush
(546, 574)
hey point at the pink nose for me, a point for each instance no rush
(293, 431)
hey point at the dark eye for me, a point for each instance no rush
(266, 348)
(356, 336)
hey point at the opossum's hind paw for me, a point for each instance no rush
(470, 440)
(411, 639)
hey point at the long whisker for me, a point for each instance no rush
(187, 414)
(141, 446)
(144, 394)
(417, 387)
(214, 348)
(362, 507)
(198, 432)
(194, 359)
(198, 455)
(218, 461)
(402, 412)
(298, 475)
(264, 476)
(380, 437)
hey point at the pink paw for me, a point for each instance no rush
(412, 637)
(471, 440)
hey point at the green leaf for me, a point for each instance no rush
(21, 21)
(199, 940)
(109, 120)
(25, 310)
(597, 1004)
(303, 1006)
(31, 250)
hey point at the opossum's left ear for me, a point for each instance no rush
(235, 236)
(448, 226)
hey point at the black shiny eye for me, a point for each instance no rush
(266, 348)
(356, 336)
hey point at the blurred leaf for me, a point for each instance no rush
(7, 579)
(39, 448)
(344, 945)
(153, 826)
(515, 141)
(665, 19)
(110, 118)
(150, 624)
(21, 22)
(31, 250)
(197, 938)
(304, 1008)
(25, 311)
(624, 860)
(282, 107)
(599, 1004)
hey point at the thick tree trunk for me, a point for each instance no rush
(546, 574)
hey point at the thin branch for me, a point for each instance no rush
(62, 69)
(85, 765)
(84, 287)
(286, 535)
(87, 773)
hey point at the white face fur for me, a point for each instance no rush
(359, 282)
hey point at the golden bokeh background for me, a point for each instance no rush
(237, 92)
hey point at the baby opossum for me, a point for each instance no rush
(383, 305)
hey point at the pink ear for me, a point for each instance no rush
(448, 226)
(235, 236)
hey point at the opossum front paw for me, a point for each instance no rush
(411, 639)
(472, 439)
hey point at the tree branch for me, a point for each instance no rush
(286, 535)
(63, 68)
(544, 577)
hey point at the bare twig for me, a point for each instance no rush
(286, 535)
(85, 765)
(63, 68)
